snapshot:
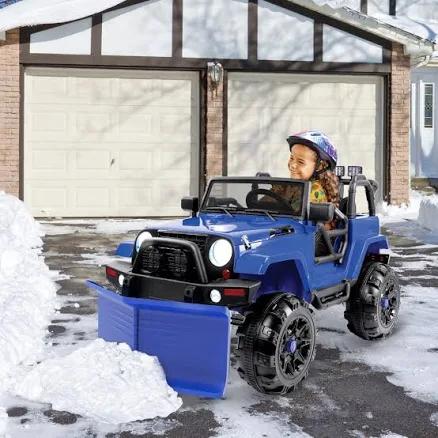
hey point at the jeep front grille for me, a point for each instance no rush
(167, 262)
(198, 239)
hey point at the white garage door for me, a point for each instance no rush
(264, 109)
(110, 142)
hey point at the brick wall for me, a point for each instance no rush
(9, 113)
(400, 87)
(214, 129)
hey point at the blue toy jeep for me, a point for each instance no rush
(249, 257)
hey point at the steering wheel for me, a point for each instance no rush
(252, 202)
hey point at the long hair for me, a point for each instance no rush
(330, 184)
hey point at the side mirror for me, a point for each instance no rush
(321, 212)
(190, 203)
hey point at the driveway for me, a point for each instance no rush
(340, 398)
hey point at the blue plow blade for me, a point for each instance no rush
(125, 249)
(191, 341)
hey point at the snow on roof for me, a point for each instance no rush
(4, 3)
(403, 29)
(415, 26)
(33, 12)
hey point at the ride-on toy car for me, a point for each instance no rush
(249, 257)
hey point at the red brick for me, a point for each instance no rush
(400, 99)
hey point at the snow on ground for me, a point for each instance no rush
(102, 226)
(434, 419)
(105, 381)
(393, 213)
(237, 422)
(405, 221)
(408, 354)
(428, 215)
(101, 380)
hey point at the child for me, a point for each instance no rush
(313, 158)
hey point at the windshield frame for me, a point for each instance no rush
(260, 180)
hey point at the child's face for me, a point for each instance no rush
(302, 162)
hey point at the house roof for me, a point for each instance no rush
(19, 13)
(417, 37)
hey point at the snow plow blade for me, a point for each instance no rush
(191, 341)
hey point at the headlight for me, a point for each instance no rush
(220, 253)
(141, 238)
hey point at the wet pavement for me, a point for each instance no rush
(339, 399)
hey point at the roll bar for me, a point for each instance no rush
(370, 187)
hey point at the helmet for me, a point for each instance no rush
(318, 142)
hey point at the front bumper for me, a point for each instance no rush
(234, 292)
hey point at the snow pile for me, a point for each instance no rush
(428, 216)
(105, 381)
(393, 213)
(27, 293)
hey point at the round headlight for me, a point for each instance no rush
(215, 296)
(220, 252)
(141, 238)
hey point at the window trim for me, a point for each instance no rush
(425, 85)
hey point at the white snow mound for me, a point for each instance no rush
(394, 213)
(428, 216)
(105, 381)
(27, 293)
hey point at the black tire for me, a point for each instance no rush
(276, 344)
(373, 307)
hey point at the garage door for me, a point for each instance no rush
(109, 142)
(264, 109)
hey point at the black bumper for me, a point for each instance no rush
(234, 292)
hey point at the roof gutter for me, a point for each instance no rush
(415, 46)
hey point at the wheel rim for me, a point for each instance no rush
(295, 348)
(388, 304)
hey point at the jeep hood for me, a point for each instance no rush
(256, 227)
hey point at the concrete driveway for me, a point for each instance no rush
(339, 398)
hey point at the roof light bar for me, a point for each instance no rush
(340, 171)
(354, 170)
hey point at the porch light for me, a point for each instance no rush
(215, 72)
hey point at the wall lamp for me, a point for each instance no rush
(215, 72)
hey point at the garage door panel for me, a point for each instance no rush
(130, 197)
(46, 89)
(349, 109)
(94, 197)
(44, 160)
(242, 95)
(104, 148)
(135, 160)
(48, 198)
